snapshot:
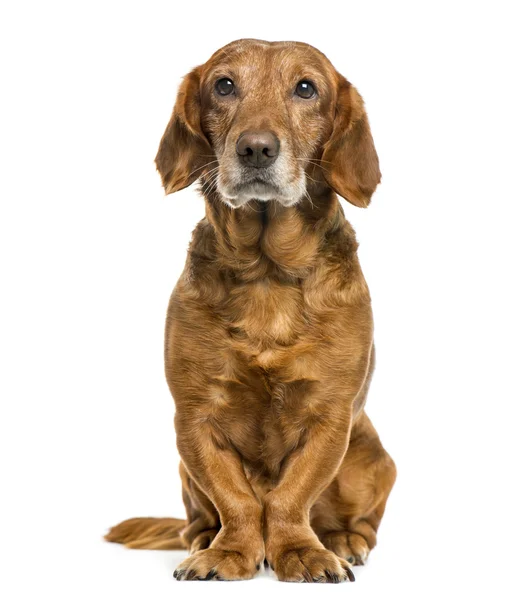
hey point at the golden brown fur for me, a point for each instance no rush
(269, 336)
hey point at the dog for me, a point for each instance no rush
(269, 335)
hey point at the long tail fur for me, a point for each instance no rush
(148, 532)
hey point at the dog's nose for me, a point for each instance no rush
(258, 148)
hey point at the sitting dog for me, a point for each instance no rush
(269, 334)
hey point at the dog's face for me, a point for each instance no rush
(269, 121)
(267, 111)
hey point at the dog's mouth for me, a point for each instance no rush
(261, 186)
(266, 190)
(256, 189)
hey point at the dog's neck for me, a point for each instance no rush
(263, 239)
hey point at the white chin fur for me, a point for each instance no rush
(263, 193)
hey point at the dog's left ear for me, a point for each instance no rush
(184, 149)
(350, 163)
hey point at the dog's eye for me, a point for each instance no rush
(305, 89)
(224, 86)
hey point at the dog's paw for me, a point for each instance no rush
(217, 564)
(348, 545)
(311, 565)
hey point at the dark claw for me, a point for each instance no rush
(258, 567)
(190, 575)
(178, 574)
(351, 577)
(307, 576)
(331, 577)
(210, 575)
(351, 560)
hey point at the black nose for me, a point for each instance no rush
(258, 148)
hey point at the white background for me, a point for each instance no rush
(90, 251)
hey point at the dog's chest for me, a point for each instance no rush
(269, 375)
(264, 314)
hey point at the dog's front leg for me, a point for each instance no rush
(238, 549)
(292, 548)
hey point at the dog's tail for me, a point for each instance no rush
(148, 532)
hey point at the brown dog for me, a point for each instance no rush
(269, 337)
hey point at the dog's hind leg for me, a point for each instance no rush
(203, 521)
(347, 515)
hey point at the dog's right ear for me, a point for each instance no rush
(184, 149)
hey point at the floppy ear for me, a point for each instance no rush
(183, 148)
(353, 169)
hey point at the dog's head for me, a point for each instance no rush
(268, 121)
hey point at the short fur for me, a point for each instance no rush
(269, 334)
